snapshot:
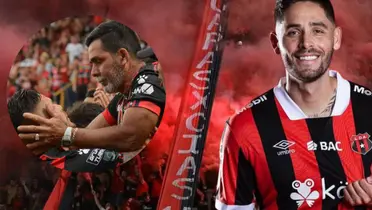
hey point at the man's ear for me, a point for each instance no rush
(274, 42)
(123, 55)
(337, 38)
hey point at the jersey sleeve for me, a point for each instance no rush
(235, 186)
(148, 92)
(83, 160)
(111, 112)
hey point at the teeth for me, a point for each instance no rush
(308, 58)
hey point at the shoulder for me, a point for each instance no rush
(240, 122)
(257, 103)
(360, 90)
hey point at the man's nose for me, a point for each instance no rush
(307, 40)
(95, 71)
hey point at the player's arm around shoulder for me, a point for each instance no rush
(142, 115)
(235, 189)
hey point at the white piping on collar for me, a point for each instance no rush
(294, 112)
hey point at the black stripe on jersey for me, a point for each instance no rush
(271, 131)
(362, 112)
(329, 162)
(246, 181)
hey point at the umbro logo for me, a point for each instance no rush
(284, 146)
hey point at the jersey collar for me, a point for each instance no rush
(294, 112)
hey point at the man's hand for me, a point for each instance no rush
(101, 97)
(50, 131)
(359, 193)
(55, 110)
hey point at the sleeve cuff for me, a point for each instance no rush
(147, 105)
(108, 117)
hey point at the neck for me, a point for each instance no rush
(316, 98)
(134, 67)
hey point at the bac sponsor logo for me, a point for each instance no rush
(285, 147)
(95, 156)
(304, 194)
(324, 146)
(362, 90)
(361, 143)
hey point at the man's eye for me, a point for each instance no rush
(292, 33)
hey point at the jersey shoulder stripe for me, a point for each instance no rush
(357, 89)
(258, 101)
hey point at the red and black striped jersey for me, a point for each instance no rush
(146, 91)
(273, 156)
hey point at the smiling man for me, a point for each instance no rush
(306, 142)
(133, 115)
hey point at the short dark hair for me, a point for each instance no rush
(282, 6)
(83, 113)
(114, 36)
(22, 101)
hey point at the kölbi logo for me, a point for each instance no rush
(305, 194)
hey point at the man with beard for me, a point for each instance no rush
(306, 142)
(132, 116)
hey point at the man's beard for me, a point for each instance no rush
(115, 79)
(308, 75)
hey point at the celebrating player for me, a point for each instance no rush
(132, 116)
(305, 143)
(85, 160)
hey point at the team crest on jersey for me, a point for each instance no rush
(361, 143)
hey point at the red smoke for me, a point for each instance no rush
(171, 27)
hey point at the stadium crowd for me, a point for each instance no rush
(54, 62)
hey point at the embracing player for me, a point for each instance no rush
(306, 143)
(133, 115)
